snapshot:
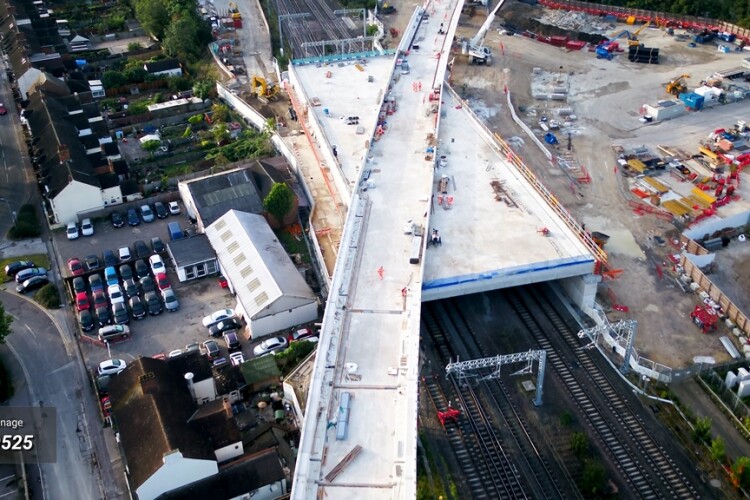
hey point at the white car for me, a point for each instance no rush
(87, 227)
(174, 353)
(157, 264)
(115, 294)
(217, 316)
(171, 303)
(270, 345)
(174, 208)
(111, 367)
(124, 253)
(72, 231)
(236, 358)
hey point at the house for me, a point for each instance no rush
(164, 67)
(193, 257)
(271, 293)
(79, 44)
(196, 370)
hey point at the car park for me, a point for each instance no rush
(115, 294)
(146, 213)
(103, 316)
(211, 349)
(100, 300)
(232, 340)
(161, 210)
(236, 358)
(82, 301)
(14, 267)
(93, 263)
(126, 272)
(96, 283)
(174, 208)
(147, 284)
(130, 287)
(120, 313)
(117, 221)
(30, 273)
(133, 219)
(124, 253)
(72, 231)
(157, 264)
(79, 285)
(217, 316)
(110, 276)
(141, 249)
(271, 345)
(303, 334)
(223, 326)
(32, 284)
(136, 307)
(86, 320)
(157, 245)
(111, 367)
(109, 258)
(153, 304)
(162, 281)
(141, 269)
(87, 227)
(75, 266)
(171, 303)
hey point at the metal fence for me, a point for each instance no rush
(730, 401)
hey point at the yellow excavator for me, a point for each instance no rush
(677, 86)
(262, 89)
(633, 38)
(234, 11)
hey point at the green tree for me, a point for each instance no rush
(183, 40)
(202, 89)
(702, 430)
(592, 479)
(26, 224)
(195, 120)
(279, 201)
(48, 296)
(135, 75)
(718, 449)
(220, 113)
(153, 16)
(5, 321)
(566, 419)
(134, 46)
(579, 445)
(741, 472)
(114, 79)
(220, 133)
(151, 146)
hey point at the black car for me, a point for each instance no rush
(126, 272)
(93, 263)
(223, 326)
(133, 218)
(136, 307)
(161, 210)
(141, 269)
(79, 285)
(120, 313)
(156, 245)
(141, 250)
(153, 304)
(12, 269)
(102, 314)
(32, 284)
(232, 340)
(110, 260)
(86, 320)
(147, 284)
(117, 220)
(130, 287)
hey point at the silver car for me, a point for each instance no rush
(171, 303)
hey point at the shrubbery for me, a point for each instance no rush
(288, 359)
(48, 296)
(26, 224)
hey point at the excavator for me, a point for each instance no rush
(677, 86)
(262, 89)
(633, 38)
(477, 52)
(234, 11)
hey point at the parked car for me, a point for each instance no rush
(236, 358)
(171, 303)
(100, 300)
(87, 227)
(130, 287)
(126, 272)
(72, 231)
(117, 220)
(75, 266)
(162, 281)
(82, 301)
(30, 273)
(32, 284)
(157, 264)
(111, 367)
(211, 349)
(79, 285)
(136, 307)
(109, 258)
(147, 284)
(232, 340)
(141, 249)
(110, 276)
(14, 267)
(156, 245)
(114, 333)
(194, 346)
(86, 320)
(115, 294)
(223, 326)
(271, 345)
(161, 210)
(153, 304)
(124, 253)
(174, 353)
(146, 213)
(96, 283)
(303, 334)
(174, 208)
(103, 316)
(133, 219)
(120, 313)
(217, 316)
(93, 263)
(141, 269)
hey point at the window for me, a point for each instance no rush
(200, 270)
(211, 267)
(233, 247)
(239, 259)
(221, 224)
(189, 273)
(253, 285)
(226, 235)
(261, 299)
(246, 271)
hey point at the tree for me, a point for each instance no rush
(579, 445)
(5, 321)
(134, 46)
(220, 133)
(220, 113)
(718, 449)
(202, 89)
(153, 16)
(48, 296)
(151, 146)
(702, 430)
(592, 478)
(279, 201)
(195, 120)
(26, 224)
(741, 472)
(114, 79)
(183, 40)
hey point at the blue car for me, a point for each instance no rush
(133, 218)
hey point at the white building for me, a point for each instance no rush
(271, 293)
(164, 67)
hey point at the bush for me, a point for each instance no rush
(290, 358)
(48, 296)
(26, 224)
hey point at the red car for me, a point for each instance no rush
(82, 301)
(3, 111)
(100, 300)
(75, 266)
(162, 281)
(302, 334)
(223, 282)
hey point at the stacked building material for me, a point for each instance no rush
(642, 54)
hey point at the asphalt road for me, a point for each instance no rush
(54, 378)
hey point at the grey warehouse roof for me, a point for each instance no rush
(233, 190)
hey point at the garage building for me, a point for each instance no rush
(193, 257)
(271, 293)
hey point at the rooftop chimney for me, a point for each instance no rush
(191, 386)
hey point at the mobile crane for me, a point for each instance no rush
(477, 52)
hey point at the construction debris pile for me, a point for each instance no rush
(546, 85)
(574, 21)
